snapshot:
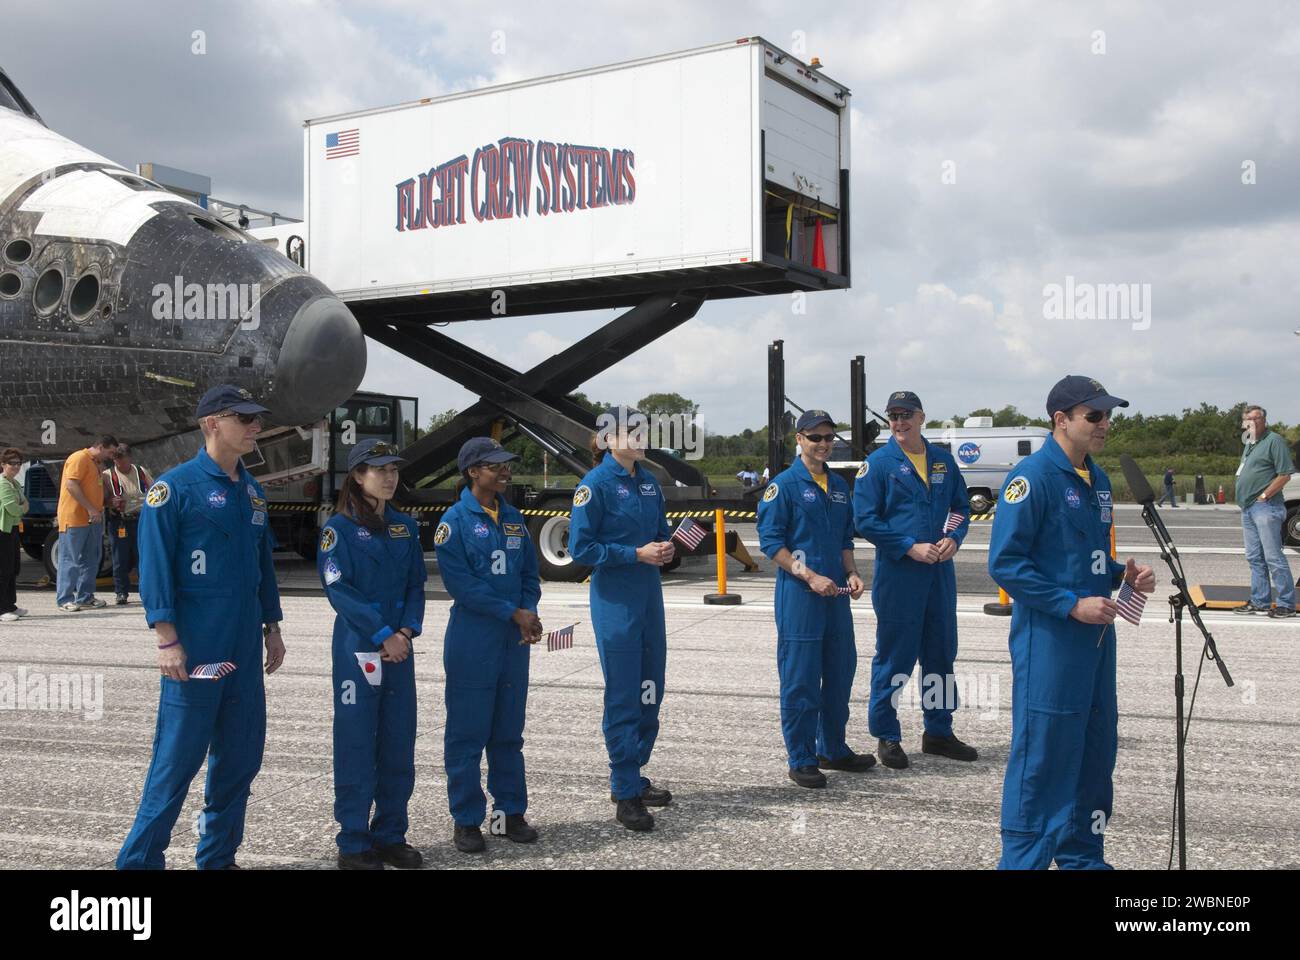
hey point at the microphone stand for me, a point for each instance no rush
(1177, 603)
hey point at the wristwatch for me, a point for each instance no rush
(269, 628)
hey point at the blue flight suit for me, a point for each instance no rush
(205, 566)
(816, 655)
(614, 512)
(915, 603)
(375, 582)
(490, 570)
(1051, 546)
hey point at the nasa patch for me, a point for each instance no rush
(862, 470)
(809, 494)
(904, 469)
(837, 496)
(623, 492)
(259, 518)
(158, 494)
(363, 534)
(770, 493)
(1072, 498)
(442, 534)
(217, 499)
(328, 539)
(581, 495)
(1016, 490)
(332, 572)
(480, 529)
(396, 531)
(647, 489)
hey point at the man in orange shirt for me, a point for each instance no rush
(81, 525)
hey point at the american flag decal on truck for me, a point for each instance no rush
(343, 143)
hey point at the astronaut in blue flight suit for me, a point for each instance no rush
(619, 528)
(489, 567)
(903, 496)
(209, 593)
(1050, 551)
(372, 567)
(805, 526)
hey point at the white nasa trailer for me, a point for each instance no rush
(654, 184)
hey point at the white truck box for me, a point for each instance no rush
(587, 189)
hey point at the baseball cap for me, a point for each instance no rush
(903, 400)
(810, 418)
(1073, 390)
(227, 397)
(482, 450)
(374, 453)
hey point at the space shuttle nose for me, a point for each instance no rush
(322, 361)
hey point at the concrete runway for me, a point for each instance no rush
(72, 781)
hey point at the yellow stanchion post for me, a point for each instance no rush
(1000, 609)
(720, 542)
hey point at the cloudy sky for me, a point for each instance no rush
(1103, 141)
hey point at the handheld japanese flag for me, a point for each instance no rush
(689, 534)
(953, 522)
(372, 666)
(561, 639)
(212, 671)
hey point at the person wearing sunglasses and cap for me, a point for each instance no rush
(1050, 550)
(619, 528)
(208, 587)
(372, 567)
(805, 526)
(488, 565)
(905, 493)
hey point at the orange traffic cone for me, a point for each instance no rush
(1221, 498)
(819, 250)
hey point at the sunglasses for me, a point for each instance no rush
(383, 450)
(903, 415)
(1096, 416)
(820, 437)
(494, 467)
(247, 419)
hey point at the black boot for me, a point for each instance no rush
(518, 830)
(809, 777)
(468, 839)
(403, 856)
(949, 747)
(651, 795)
(633, 815)
(365, 860)
(850, 762)
(891, 754)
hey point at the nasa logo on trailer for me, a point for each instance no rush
(770, 493)
(581, 495)
(1016, 490)
(216, 499)
(441, 535)
(328, 539)
(968, 453)
(158, 494)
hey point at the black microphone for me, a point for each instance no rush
(1137, 482)
(1143, 494)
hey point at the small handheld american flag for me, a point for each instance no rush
(843, 591)
(212, 671)
(561, 639)
(1130, 603)
(689, 534)
(953, 522)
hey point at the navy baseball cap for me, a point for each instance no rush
(903, 400)
(373, 453)
(482, 450)
(810, 418)
(1073, 390)
(228, 397)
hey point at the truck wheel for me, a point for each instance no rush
(551, 541)
(50, 556)
(980, 502)
(1291, 529)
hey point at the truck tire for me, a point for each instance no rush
(981, 501)
(550, 536)
(1291, 528)
(50, 556)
